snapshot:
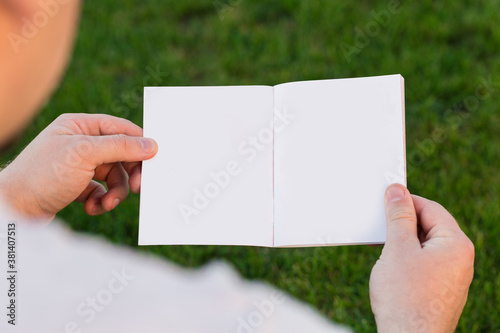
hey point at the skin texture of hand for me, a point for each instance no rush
(421, 281)
(66, 161)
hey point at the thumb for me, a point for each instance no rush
(120, 148)
(401, 217)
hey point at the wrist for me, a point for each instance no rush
(413, 322)
(19, 198)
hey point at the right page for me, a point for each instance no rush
(343, 144)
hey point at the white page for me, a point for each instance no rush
(334, 161)
(199, 130)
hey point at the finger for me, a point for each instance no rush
(135, 179)
(91, 196)
(134, 173)
(422, 236)
(90, 188)
(117, 182)
(433, 217)
(130, 166)
(100, 124)
(401, 217)
(117, 148)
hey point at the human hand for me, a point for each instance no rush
(421, 281)
(67, 159)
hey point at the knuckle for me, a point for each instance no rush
(64, 116)
(107, 123)
(84, 147)
(468, 249)
(463, 250)
(61, 119)
(401, 215)
(121, 142)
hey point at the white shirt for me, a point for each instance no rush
(68, 282)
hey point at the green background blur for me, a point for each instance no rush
(445, 51)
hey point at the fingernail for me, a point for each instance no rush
(95, 211)
(116, 202)
(395, 193)
(148, 145)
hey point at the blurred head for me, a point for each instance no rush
(36, 38)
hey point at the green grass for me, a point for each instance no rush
(441, 48)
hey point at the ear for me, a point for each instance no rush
(11, 13)
(20, 8)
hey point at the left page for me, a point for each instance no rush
(211, 181)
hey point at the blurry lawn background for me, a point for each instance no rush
(443, 49)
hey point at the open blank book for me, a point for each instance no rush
(298, 164)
